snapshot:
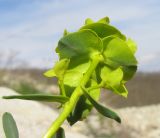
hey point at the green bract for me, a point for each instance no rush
(84, 42)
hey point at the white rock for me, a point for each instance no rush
(32, 118)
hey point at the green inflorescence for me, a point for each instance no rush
(96, 56)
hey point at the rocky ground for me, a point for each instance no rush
(34, 118)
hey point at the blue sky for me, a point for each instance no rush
(33, 27)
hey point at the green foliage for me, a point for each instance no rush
(82, 43)
(104, 30)
(101, 109)
(59, 69)
(84, 106)
(112, 80)
(39, 97)
(9, 126)
(117, 64)
(60, 133)
(117, 51)
(96, 56)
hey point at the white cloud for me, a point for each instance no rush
(51, 23)
(48, 19)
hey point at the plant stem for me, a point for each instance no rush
(95, 87)
(68, 107)
(61, 86)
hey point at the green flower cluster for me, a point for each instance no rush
(76, 52)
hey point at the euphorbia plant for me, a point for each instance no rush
(96, 56)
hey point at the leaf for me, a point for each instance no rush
(119, 55)
(128, 72)
(72, 78)
(121, 90)
(68, 90)
(104, 20)
(132, 45)
(104, 30)
(82, 43)
(116, 51)
(80, 64)
(65, 32)
(50, 73)
(88, 21)
(80, 109)
(83, 106)
(111, 77)
(103, 110)
(76, 69)
(39, 97)
(60, 133)
(59, 69)
(113, 80)
(9, 126)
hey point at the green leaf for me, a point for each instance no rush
(81, 109)
(69, 90)
(76, 69)
(9, 126)
(104, 30)
(50, 73)
(39, 97)
(118, 54)
(128, 72)
(83, 106)
(80, 64)
(121, 90)
(111, 77)
(75, 72)
(88, 21)
(72, 78)
(115, 50)
(132, 45)
(103, 110)
(65, 32)
(82, 43)
(59, 69)
(104, 20)
(60, 133)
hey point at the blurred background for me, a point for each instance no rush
(30, 30)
